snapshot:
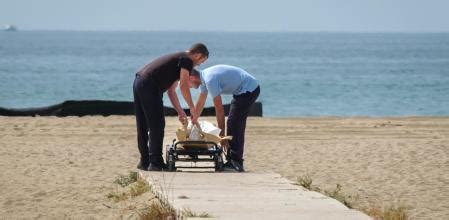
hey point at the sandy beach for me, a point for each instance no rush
(64, 167)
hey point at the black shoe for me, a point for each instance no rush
(228, 167)
(164, 166)
(234, 166)
(238, 165)
(141, 166)
(157, 167)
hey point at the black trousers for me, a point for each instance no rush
(236, 123)
(150, 120)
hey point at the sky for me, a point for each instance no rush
(229, 15)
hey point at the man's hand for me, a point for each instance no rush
(182, 117)
(200, 103)
(225, 145)
(193, 115)
(219, 111)
(175, 102)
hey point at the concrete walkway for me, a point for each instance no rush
(245, 196)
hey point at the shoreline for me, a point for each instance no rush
(63, 167)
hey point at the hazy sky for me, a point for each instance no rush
(229, 15)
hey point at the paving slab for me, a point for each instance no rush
(245, 196)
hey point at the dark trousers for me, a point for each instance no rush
(236, 123)
(150, 120)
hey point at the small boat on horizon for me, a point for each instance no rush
(10, 28)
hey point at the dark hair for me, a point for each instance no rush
(199, 48)
(195, 72)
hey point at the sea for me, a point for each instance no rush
(301, 74)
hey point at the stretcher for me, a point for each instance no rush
(205, 148)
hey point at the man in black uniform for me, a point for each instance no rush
(159, 76)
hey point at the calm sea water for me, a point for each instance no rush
(301, 74)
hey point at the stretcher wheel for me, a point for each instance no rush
(171, 163)
(170, 159)
(218, 163)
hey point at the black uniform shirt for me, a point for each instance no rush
(165, 70)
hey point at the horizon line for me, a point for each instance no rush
(242, 31)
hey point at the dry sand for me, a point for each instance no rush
(64, 167)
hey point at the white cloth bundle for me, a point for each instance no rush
(205, 127)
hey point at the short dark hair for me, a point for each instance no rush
(199, 48)
(195, 72)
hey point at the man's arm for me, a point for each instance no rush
(219, 111)
(175, 102)
(185, 91)
(200, 103)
